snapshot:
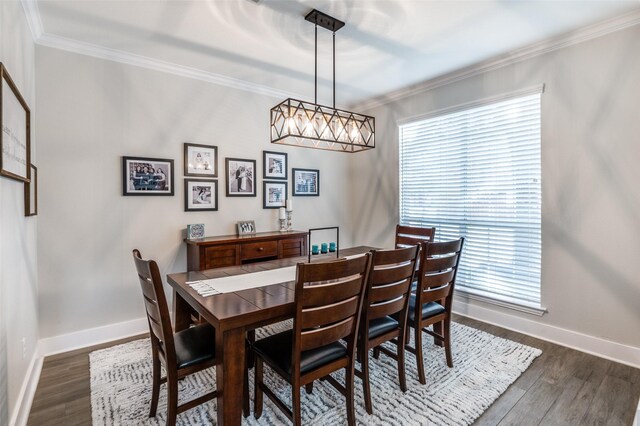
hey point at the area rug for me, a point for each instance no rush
(484, 367)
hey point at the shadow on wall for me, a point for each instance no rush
(4, 386)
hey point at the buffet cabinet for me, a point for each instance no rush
(230, 250)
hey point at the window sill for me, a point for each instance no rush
(520, 306)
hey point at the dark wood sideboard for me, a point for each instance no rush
(229, 250)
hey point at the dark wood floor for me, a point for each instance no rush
(562, 387)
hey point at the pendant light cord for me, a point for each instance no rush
(334, 70)
(315, 93)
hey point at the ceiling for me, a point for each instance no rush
(384, 46)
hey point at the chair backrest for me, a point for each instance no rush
(389, 284)
(407, 236)
(437, 273)
(156, 306)
(329, 297)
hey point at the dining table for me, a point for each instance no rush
(235, 313)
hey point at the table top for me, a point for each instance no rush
(249, 308)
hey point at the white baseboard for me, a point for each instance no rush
(92, 336)
(613, 351)
(27, 391)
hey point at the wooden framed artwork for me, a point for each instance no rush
(274, 165)
(200, 160)
(240, 177)
(15, 137)
(306, 182)
(147, 176)
(31, 193)
(200, 195)
(274, 194)
(246, 227)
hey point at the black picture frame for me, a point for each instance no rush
(204, 166)
(31, 193)
(15, 147)
(306, 182)
(234, 169)
(203, 200)
(267, 194)
(149, 180)
(275, 165)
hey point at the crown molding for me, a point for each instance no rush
(551, 44)
(32, 13)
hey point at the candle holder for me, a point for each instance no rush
(289, 220)
(283, 225)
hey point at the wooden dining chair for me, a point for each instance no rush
(387, 294)
(432, 302)
(407, 236)
(183, 353)
(328, 299)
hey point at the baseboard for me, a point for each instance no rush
(602, 348)
(25, 398)
(92, 336)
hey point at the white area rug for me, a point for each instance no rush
(484, 366)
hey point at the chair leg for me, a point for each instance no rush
(437, 328)
(419, 359)
(401, 369)
(309, 387)
(376, 352)
(351, 416)
(297, 417)
(172, 398)
(155, 386)
(246, 410)
(447, 342)
(366, 387)
(257, 391)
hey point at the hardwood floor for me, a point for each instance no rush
(562, 387)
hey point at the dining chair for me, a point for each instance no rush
(182, 353)
(407, 236)
(431, 304)
(328, 303)
(386, 295)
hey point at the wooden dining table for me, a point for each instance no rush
(233, 314)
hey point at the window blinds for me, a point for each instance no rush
(476, 173)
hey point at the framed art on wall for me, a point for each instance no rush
(240, 177)
(147, 176)
(274, 194)
(274, 165)
(200, 195)
(200, 160)
(31, 193)
(306, 182)
(15, 134)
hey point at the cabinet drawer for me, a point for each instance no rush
(293, 247)
(258, 250)
(218, 257)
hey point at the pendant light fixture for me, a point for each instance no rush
(300, 123)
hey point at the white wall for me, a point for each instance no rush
(18, 272)
(590, 175)
(91, 112)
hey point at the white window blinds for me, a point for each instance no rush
(476, 173)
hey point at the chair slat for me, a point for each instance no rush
(436, 264)
(388, 291)
(325, 294)
(329, 314)
(391, 273)
(438, 279)
(330, 270)
(436, 294)
(388, 307)
(322, 336)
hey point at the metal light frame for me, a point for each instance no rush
(310, 125)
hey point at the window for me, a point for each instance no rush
(475, 172)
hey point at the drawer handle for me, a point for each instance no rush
(260, 249)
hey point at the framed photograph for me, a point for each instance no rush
(240, 177)
(200, 160)
(31, 193)
(15, 134)
(246, 227)
(306, 182)
(195, 231)
(147, 176)
(274, 194)
(274, 165)
(200, 195)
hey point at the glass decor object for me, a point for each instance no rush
(308, 124)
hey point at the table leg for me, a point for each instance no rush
(230, 350)
(181, 312)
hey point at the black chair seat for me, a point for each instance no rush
(276, 350)
(195, 345)
(380, 326)
(428, 309)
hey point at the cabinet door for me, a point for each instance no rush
(220, 256)
(293, 247)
